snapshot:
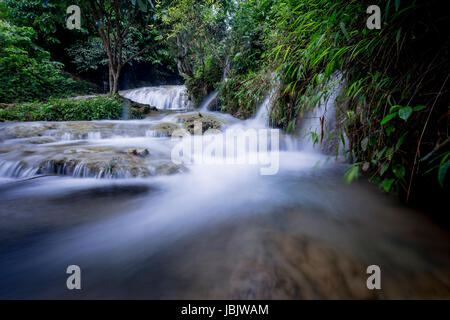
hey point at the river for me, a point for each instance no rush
(105, 195)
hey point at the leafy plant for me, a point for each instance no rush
(65, 110)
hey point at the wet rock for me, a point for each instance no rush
(81, 152)
(27, 130)
(41, 140)
(166, 168)
(207, 122)
(137, 110)
(165, 129)
(139, 152)
(114, 167)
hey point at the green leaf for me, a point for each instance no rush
(380, 153)
(389, 153)
(405, 112)
(399, 171)
(400, 140)
(388, 118)
(384, 167)
(351, 173)
(389, 130)
(442, 172)
(387, 184)
(397, 37)
(344, 30)
(419, 108)
(394, 108)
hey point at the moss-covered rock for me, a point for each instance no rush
(136, 110)
(207, 121)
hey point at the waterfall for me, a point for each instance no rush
(210, 98)
(261, 118)
(162, 97)
(322, 119)
(16, 169)
(262, 114)
(207, 101)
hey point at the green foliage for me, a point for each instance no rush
(351, 173)
(384, 73)
(392, 106)
(221, 45)
(64, 110)
(250, 77)
(241, 94)
(44, 16)
(198, 31)
(26, 71)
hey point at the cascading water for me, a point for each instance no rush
(162, 97)
(262, 114)
(200, 229)
(207, 101)
(322, 119)
(210, 98)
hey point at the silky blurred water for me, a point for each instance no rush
(210, 231)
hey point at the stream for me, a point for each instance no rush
(106, 196)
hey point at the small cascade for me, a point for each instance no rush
(16, 169)
(207, 101)
(261, 118)
(322, 119)
(68, 137)
(77, 170)
(263, 110)
(162, 97)
(94, 135)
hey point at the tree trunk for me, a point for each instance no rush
(116, 76)
(115, 85)
(111, 85)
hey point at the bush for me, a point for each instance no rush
(394, 104)
(26, 72)
(64, 110)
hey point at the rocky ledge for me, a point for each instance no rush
(208, 122)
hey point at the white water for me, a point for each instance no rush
(177, 235)
(206, 103)
(324, 112)
(261, 118)
(87, 149)
(162, 97)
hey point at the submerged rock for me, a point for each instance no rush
(165, 129)
(41, 140)
(166, 167)
(27, 130)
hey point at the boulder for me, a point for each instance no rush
(207, 121)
